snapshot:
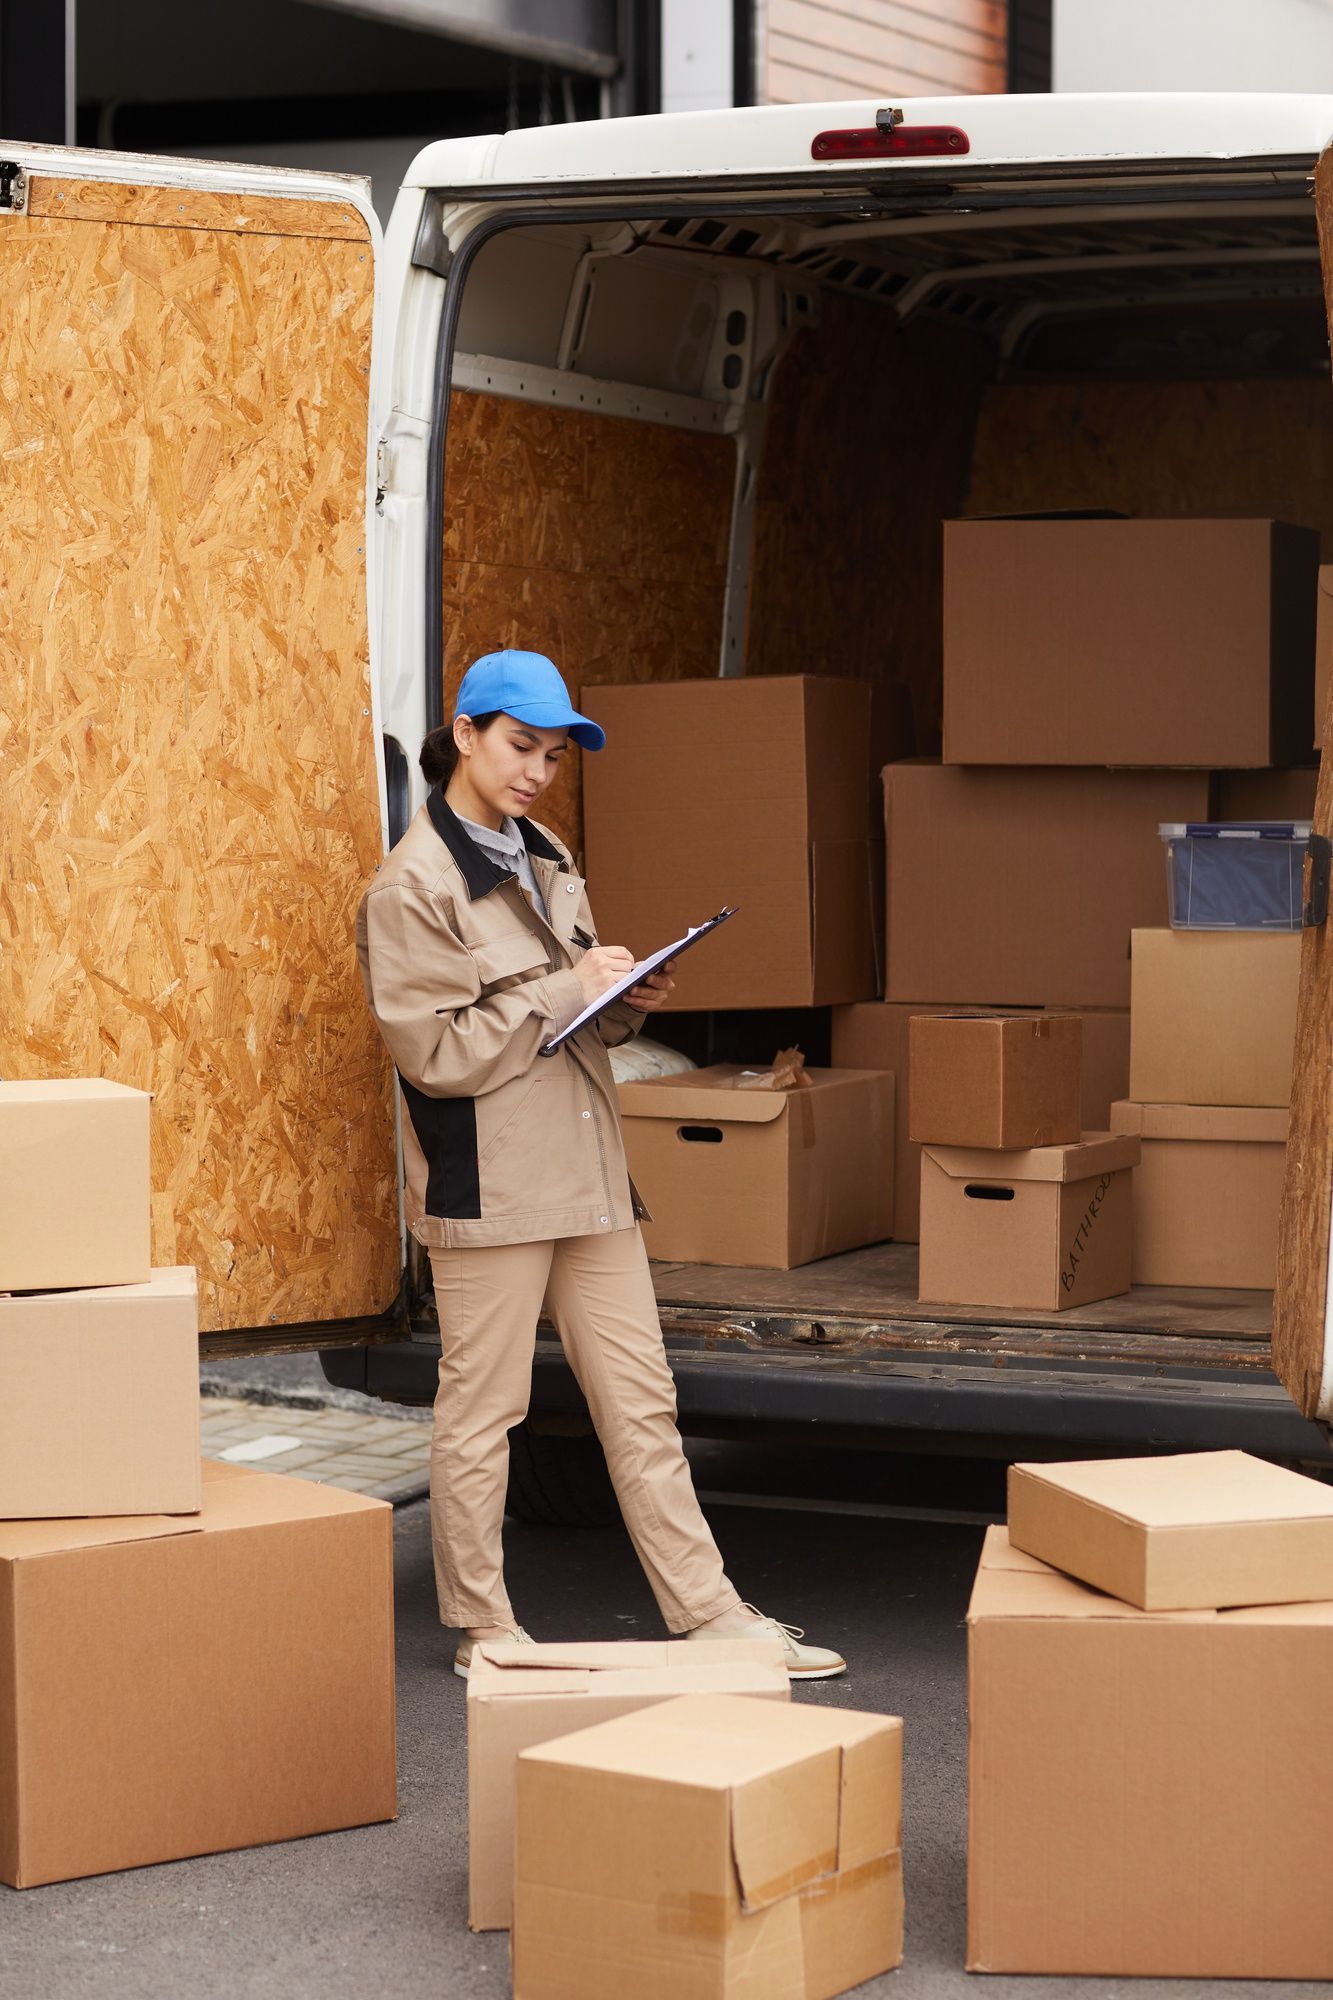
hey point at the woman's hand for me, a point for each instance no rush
(599, 969)
(652, 991)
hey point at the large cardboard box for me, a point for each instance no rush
(74, 1190)
(876, 1035)
(761, 1176)
(1323, 650)
(1213, 1016)
(1128, 642)
(1150, 1792)
(1044, 1229)
(710, 1846)
(753, 792)
(1196, 1531)
(519, 1696)
(1207, 1192)
(175, 1685)
(99, 1400)
(1009, 887)
(1008, 1081)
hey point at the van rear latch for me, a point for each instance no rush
(13, 187)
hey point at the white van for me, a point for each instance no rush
(691, 393)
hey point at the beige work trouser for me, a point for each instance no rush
(599, 1292)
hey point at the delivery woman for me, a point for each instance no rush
(476, 945)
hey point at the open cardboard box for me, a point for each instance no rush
(519, 1696)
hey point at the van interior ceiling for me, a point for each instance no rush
(721, 442)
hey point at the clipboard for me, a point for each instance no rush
(636, 973)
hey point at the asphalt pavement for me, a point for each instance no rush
(382, 1911)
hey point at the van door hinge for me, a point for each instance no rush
(13, 187)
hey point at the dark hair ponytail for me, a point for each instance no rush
(439, 752)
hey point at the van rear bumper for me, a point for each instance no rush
(909, 1403)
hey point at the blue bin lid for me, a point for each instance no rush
(1235, 829)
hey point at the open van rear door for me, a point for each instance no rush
(190, 774)
(1303, 1301)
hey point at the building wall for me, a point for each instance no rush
(1193, 45)
(815, 49)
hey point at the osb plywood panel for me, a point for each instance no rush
(865, 454)
(1158, 448)
(186, 754)
(857, 48)
(194, 208)
(1299, 1301)
(597, 540)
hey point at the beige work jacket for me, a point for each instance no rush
(466, 982)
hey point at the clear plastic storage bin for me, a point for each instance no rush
(1235, 875)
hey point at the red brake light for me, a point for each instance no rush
(873, 142)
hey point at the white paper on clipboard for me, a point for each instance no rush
(638, 971)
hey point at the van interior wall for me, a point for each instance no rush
(599, 540)
(866, 451)
(1256, 447)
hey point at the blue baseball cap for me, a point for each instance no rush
(528, 687)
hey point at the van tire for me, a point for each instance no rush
(558, 1479)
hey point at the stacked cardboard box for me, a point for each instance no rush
(1151, 1791)
(1019, 1207)
(1212, 1029)
(225, 1619)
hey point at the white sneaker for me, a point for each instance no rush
(463, 1657)
(803, 1663)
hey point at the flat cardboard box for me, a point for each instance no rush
(1008, 1081)
(519, 1696)
(1012, 886)
(776, 773)
(1044, 1230)
(1207, 1192)
(1323, 650)
(767, 1177)
(1213, 1019)
(99, 1400)
(177, 1685)
(711, 1845)
(875, 1035)
(74, 1190)
(1163, 643)
(1151, 1793)
(1197, 1531)
(1250, 795)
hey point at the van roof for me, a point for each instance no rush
(1003, 131)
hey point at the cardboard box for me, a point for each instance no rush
(519, 1696)
(1009, 887)
(1248, 795)
(1008, 1081)
(1128, 642)
(99, 1400)
(1197, 1531)
(74, 1196)
(776, 776)
(761, 1176)
(1150, 1793)
(1207, 1192)
(176, 1685)
(1323, 650)
(711, 1845)
(1045, 1229)
(875, 1035)
(1213, 1019)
